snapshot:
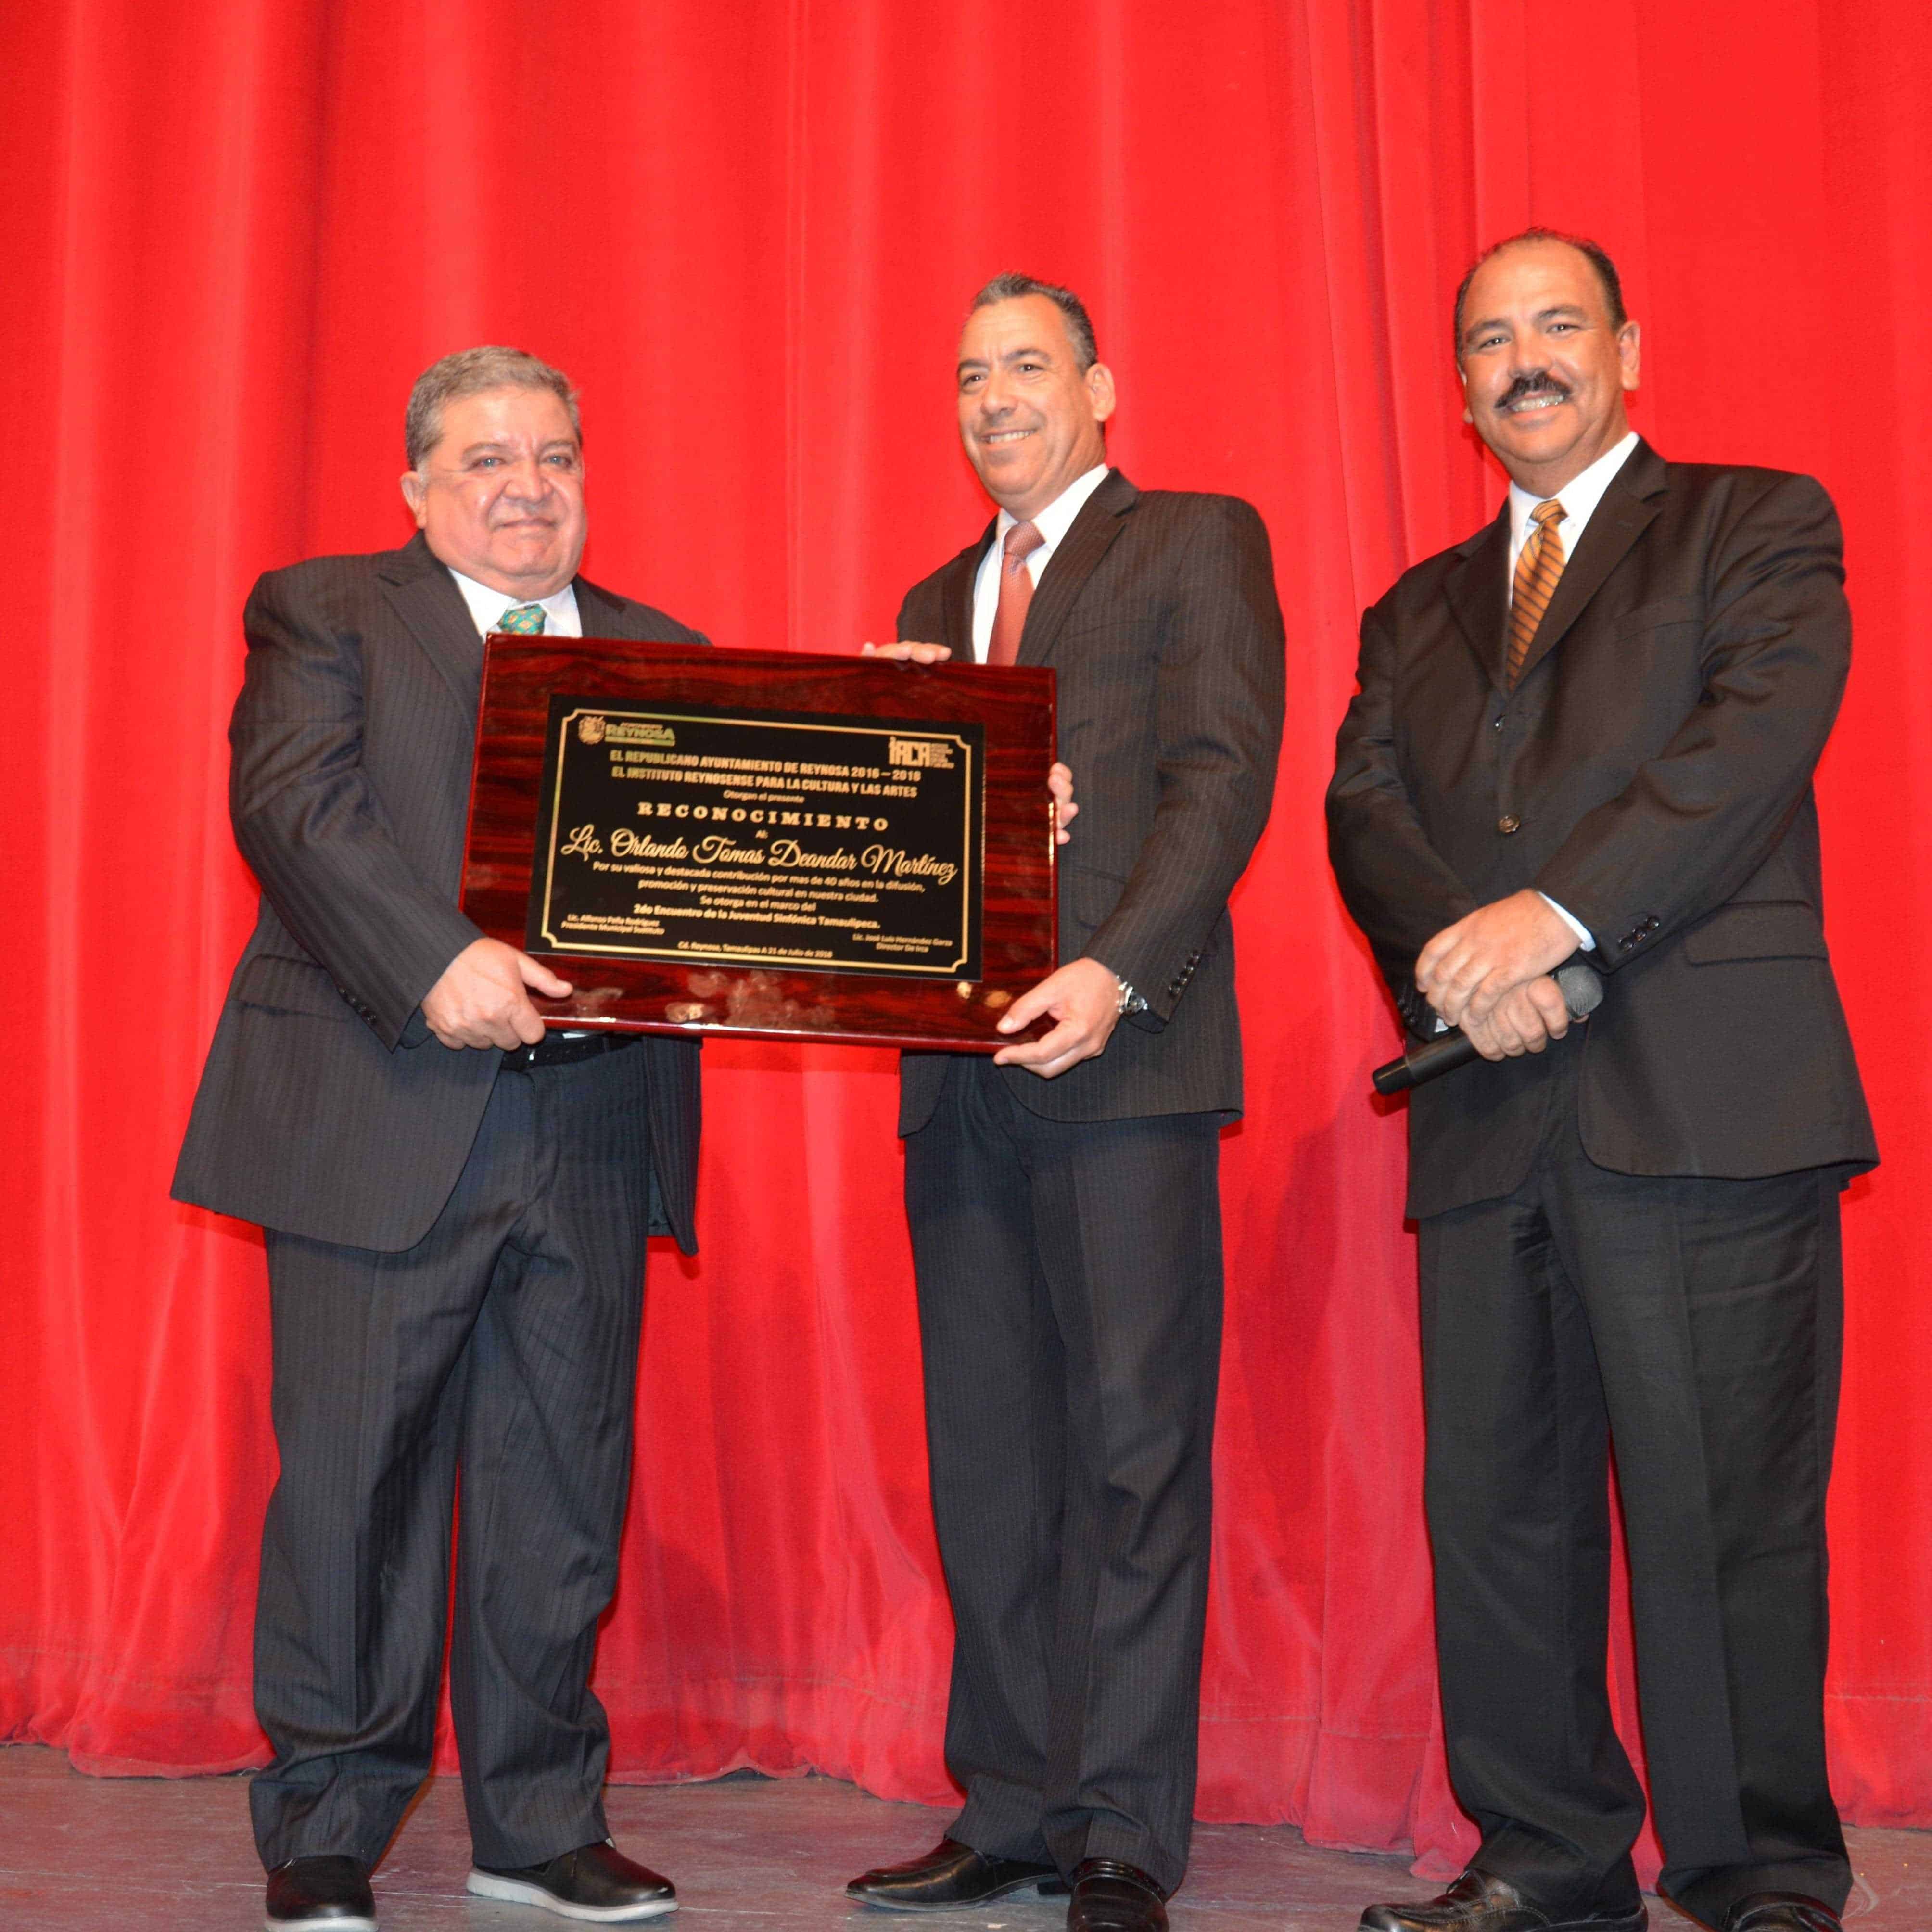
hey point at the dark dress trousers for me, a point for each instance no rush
(1067, 1233)
(1631, 1238)
(455, 1250)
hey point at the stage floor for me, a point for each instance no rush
(748, 1855)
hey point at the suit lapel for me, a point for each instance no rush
(955, 598)
(424, 594)
(599, 614)
(1080, 550)
(1475, 591)
(1626, 511)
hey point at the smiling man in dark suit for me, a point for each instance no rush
(1063, 1196)
(1593, 726)
(455, 1203)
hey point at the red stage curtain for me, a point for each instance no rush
(236, 230)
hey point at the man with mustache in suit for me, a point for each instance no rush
(1592, 727)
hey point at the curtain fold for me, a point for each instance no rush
(238, 230)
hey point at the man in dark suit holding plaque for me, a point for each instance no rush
(1063, 1195)
(1593, 725)
(455, 1205)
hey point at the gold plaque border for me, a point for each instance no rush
(730, 956)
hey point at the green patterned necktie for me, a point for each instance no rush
(523, 620)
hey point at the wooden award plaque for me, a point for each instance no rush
(773, 844)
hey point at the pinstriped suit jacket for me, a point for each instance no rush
(1158, 614)
(327, 1108)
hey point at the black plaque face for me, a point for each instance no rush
(799, 840)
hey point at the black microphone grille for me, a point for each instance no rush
(1582, 990)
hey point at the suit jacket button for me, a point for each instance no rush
(1509, 823)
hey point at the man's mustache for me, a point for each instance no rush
(1537, 382)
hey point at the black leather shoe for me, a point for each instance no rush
(1781, 1912)
(594, 1882)
(1478, 1902)
(331, 1892)
(952, 1874)
(1110, 1896)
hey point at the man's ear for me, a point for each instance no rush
(1630, 352)
(1100, 390)
(415, 493)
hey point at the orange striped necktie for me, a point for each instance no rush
(1537, 571)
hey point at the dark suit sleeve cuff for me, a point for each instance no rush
(1162, 996)
(1620, 936)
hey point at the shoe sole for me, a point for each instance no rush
(1019, 1888)
(1635, 1921)
(517, 1891)
(325, 1924)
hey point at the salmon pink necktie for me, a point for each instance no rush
(1015, 593)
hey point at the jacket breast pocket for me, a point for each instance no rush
(1113, 626)
(1758, 929)
(1659, 614)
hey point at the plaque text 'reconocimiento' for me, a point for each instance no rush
(759, 837)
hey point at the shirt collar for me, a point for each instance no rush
(1579, 497)
(1057, 519)
(487, 606)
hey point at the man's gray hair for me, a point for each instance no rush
(469, 372)
(1073, 310)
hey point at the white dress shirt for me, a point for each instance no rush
(1053, 523)
(1579, 497)
(487, 608)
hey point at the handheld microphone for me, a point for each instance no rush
(1582, 994)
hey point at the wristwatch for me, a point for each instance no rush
(1130, 1001)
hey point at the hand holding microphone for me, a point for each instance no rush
(1582, 992)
